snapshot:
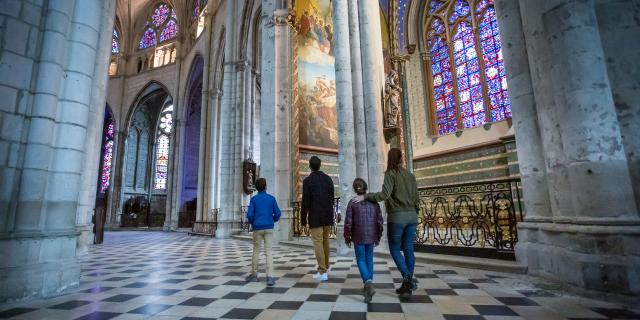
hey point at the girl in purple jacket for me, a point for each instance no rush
(363, 226)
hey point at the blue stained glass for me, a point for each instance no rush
(170, 31)
(195, 13)
(384, 4)
(148, 39)
(461, 10)
(483, 4)
(467, 68)
(402, 15)
(442, 80)
(434, 5)
(115, 42)
(160, 15)
(494, 66)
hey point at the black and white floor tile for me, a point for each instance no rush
(156, 275)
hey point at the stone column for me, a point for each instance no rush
(373, 83)
(597, 167)
(358, 96)
(618, 22)
(525, 118)
(93, 144)
(275, 110)
(539, 54)
(345, 110)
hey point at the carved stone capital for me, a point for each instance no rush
(425, 56)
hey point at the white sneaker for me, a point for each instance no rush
(317, 276)
(324, 277)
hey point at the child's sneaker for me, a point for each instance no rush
(252, 278)
(324, 277)
(369, 291)
(270, 281)
(317, 276)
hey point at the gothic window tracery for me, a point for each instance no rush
(162, 26)
(107, 154)
(465, 68)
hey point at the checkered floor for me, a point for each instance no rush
(156, 275)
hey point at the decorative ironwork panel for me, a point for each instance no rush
(301, 230)
(480, 215)
(245, 226)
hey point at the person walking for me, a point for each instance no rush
(400, 196)
(263, 213)
(317, 214)
(363, 226)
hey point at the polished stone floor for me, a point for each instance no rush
(157, 275)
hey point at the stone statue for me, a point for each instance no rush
(250, 180)
(392, 92)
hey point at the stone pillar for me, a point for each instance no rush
(525, 119)
(93, 144)
(618, 22)
(597, 166)
(345, 111)
(590, 244)
(373, 83)
(540, 55)
(40, 237)
(275, 110)
(358, 96)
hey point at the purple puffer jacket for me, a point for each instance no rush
(363, 223)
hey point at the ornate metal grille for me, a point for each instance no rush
(245, 226)
(476, 219)
(207, 227)
(300, 230)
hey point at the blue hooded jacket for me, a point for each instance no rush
(263, 211)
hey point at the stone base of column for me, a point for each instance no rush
(224, 229)
(282, 230)
(85, 239)
(589, 259)
(37, 265)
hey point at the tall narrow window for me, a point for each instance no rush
(445, 106)
(115, 42)
(107, 156)
(162, 148)
(469, 31)
(162, 26)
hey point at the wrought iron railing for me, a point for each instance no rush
(207, 227)
(476, 219)
(245, 226)
(299, 227)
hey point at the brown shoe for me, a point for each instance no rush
(369, 291)
(405, 290)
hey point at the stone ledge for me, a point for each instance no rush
(429, 258)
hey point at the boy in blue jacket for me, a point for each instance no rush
(263, 212)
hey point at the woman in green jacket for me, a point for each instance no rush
(400, 196)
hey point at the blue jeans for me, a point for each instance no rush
(400, 236)
(364, 258)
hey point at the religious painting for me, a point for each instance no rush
(316, 85)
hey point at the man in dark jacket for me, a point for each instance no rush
(317, 213)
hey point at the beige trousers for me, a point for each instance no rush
(260, 236)
(320, 237)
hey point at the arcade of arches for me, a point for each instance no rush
(520, 120)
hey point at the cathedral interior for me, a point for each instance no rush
(132, 133)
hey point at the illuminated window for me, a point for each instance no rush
(162, 26)
(115, 42)
(107, 155)
(162, 148)
(466, 68)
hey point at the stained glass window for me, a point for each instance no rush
(162, 26)
(160, 15)
(170, 31)
(479, 78)
(195, 13)
(442, 80)
(402, 13)
(162, 148)
(461, 10)
(148, 39)
(115, 42)
(468, 74)
(494, 67)
(107, 156)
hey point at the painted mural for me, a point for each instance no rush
(316, 74)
